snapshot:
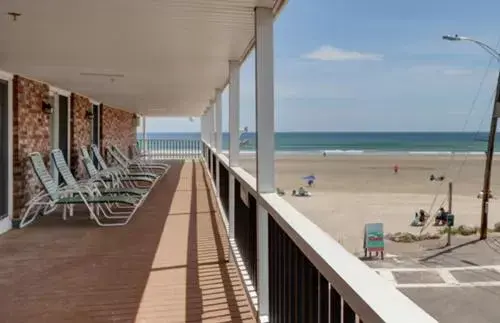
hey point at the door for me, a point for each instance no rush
(64, 115)
(96, 129)
(4, 149)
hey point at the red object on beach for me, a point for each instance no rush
(396, 168)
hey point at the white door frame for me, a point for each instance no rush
(6, 223)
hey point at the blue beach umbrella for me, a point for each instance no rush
(309, 178)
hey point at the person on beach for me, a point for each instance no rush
(396, 168)
(420, 218)
(441, 217)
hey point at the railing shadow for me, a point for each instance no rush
(228, 287)
(194, 308)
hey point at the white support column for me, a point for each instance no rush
(218, 121)
(211, 133)
(218, 135)
(212, 124)
(234, 139)
(264, 98)
(202, 133)
(207, 125)
(202, 126)
(234, 113)
(144, 135)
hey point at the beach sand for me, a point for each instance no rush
(353, 190)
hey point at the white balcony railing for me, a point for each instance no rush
(312, 278)
(169, 148)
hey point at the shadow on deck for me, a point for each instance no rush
(168, 265)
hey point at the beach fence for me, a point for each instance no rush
(158, 149)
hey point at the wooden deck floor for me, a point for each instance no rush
(168, 265)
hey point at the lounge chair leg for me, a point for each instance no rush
(25, 216)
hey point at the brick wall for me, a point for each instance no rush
(80, 132)
(31, 130)
(31, 133)
(117, 128)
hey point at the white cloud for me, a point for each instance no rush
(329, 53)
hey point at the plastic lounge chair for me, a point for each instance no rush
(116, 178)
(140, 161)
(122, 171)
(138, 154)
(120, 158)
(69, 179)
(132, 167)
(68, 197)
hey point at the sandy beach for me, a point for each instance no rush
(353, 190)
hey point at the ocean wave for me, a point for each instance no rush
(330, 152)
(411, 152)
(343, 152)
(478, 153)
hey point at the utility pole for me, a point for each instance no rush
(489, 160)
(450, 205)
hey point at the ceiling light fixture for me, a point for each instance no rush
(14, 15)
(102, 74)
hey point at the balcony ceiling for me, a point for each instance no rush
(154, 57)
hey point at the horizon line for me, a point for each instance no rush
(348, 131)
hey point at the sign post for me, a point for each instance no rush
(374, 239)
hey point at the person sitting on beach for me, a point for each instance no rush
(416, 221)
(420, 218)
(301, 192)
(441, 217)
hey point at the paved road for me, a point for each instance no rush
(471, 276)
(458, 284)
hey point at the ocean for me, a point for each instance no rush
(434, 143)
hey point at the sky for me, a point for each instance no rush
(360, 65)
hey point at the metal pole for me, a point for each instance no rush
(450, 204)
(489, 161)
(144, 136)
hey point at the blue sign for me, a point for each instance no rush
(374, 237)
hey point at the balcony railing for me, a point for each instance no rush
(169, 148)
(312, 278)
